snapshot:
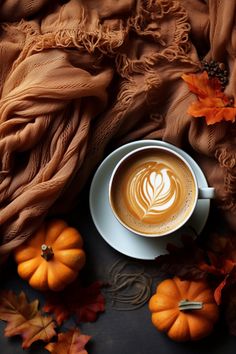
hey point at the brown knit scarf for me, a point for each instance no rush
(82, 76)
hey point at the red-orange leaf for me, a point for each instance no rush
(212, 103)
(59, 307)
(24, 319)
(218, 290)
(91, 302)
(202, 86)
(185, 261)
(213, 114)
(71, 342)
(84, 303)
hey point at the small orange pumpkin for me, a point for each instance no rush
(52, 257)
(185, 310)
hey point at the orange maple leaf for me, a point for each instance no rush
(70, 342)
(84, 303)
(212, 103)
(24, 319)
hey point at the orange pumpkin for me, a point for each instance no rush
(185, 310)
(52, 258)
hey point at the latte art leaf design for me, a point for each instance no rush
(153, 191)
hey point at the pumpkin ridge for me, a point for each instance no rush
(26, 253)
(204, 323)
(165, 299)
(38, 279)
(175, 317)
(68, 234)
(60, 245)
(167, 287)
(59, 226)
(55, 282)
(57, 263)
(173, 335)
(167, 319)
(188, 327)
(206, 295)
(163, 310)
(80, 255)
(27, 268)
(194, 292)
(184, 293)
(208, 312)
(177, 283)
(188, 289)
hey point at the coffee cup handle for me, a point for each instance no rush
(206, 193)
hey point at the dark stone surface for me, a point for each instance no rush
(116, 332)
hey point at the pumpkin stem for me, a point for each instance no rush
(185, 305)
(47, 252)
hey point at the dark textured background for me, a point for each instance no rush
(114, 332)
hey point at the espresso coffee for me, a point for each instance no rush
(153, 192)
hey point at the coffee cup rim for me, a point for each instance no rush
(134, 152)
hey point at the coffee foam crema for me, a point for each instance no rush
(153, 192)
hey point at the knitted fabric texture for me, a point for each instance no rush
(81, 77)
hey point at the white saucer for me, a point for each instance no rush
(114, 233)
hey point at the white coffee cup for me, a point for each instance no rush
(136, 176)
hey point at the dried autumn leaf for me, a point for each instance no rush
(71, 342)
(212, 103)
(213, 110)
(84, 303)
(58, 306)
(91, 302)
(202, 86)
(183, 261)
(24, 319)
(219, 289)
(222, 256)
